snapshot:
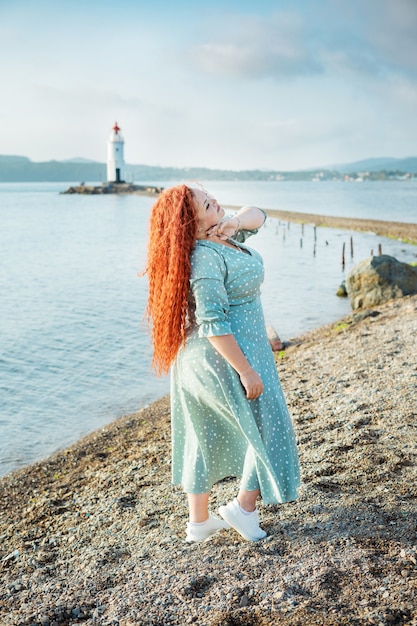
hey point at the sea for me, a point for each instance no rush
(74, 347)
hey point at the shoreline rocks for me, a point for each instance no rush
(114, 188)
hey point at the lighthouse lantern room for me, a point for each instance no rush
(115, 158)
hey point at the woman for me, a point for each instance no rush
(228, 412)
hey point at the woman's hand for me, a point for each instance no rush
(225, 228)
(252, 384)
(228, 347)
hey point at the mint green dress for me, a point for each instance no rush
(216, 431)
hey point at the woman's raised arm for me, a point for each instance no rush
(247, 218)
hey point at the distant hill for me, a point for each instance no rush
(78, 160)
(408, 164)
(21, 169)
(11, 158)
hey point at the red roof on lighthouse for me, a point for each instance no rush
(116, 128)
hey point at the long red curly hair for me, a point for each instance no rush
(173, 229)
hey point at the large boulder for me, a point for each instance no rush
(378, 279)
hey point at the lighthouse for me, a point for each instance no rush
(115, 159)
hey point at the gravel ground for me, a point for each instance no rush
(395, 230)
(95, 534)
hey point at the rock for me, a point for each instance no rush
(101, 609)
(341, 290)
(378, 279)
(15, 554)
(358, 317)
(274, 341)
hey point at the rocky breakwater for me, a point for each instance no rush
(114, 188)
(379, 279)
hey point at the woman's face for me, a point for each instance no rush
(208, 211)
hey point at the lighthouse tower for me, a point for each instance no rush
(115, 159)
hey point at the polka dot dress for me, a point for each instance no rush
(216, 431)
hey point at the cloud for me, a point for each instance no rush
(406, 91)
(362, 39)
(393, 36)
(234, 83)
(259, 47)
(78, 96)
(375, 38)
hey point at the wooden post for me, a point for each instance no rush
(315, 233)
(379, 249)
(301, 242)
(351, 247)
(343, 256)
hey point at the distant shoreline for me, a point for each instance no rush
(23, 169)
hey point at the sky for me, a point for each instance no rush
(229, 84)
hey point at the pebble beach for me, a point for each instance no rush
(95, 534)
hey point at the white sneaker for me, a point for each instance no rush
(246, 525)
(201, 532)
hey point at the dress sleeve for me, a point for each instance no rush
(208, 275)
(243, 234)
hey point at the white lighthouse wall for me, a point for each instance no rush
(115, 160)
